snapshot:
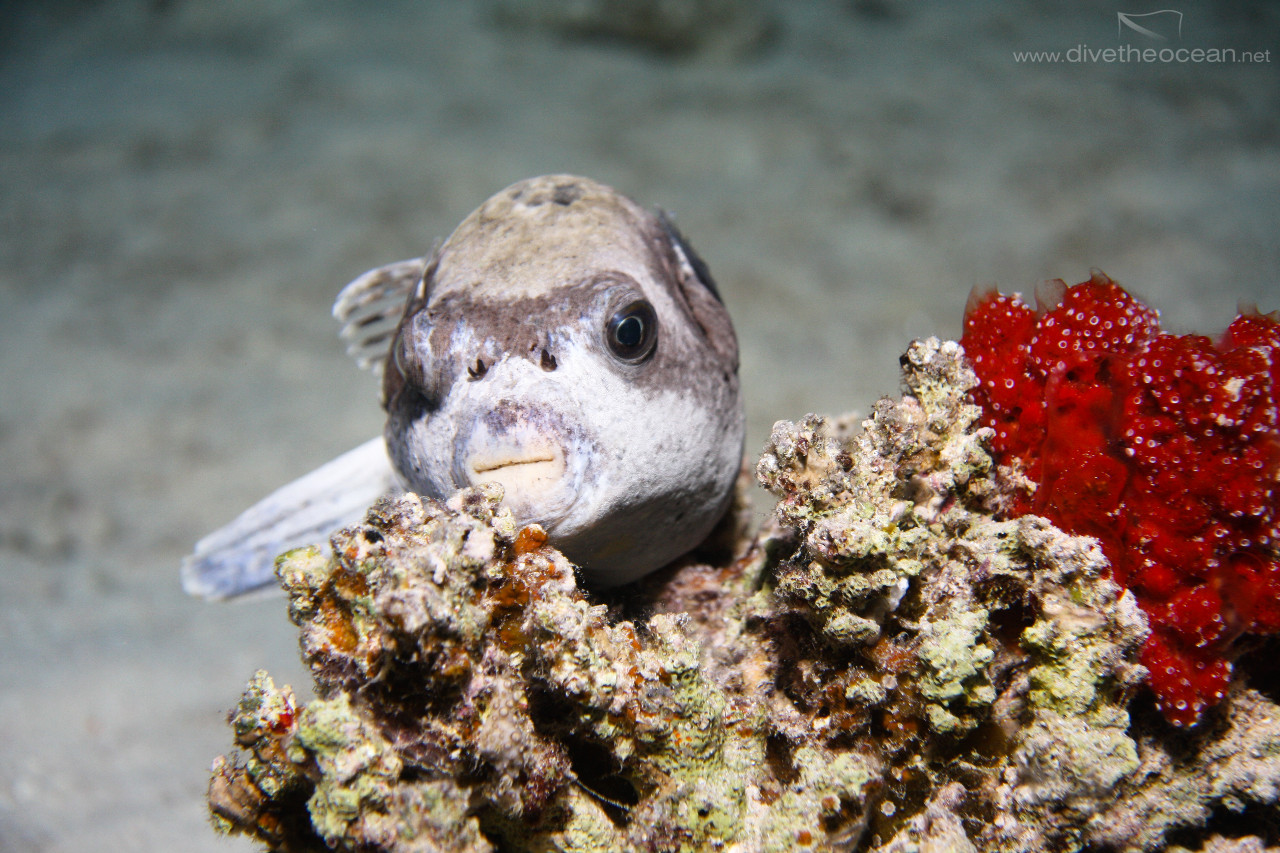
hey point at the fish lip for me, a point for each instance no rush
(531, 450)
(485, 464)
(519, 467)
(537, 484)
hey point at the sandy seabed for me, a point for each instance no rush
(185, 186)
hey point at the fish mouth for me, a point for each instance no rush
(482, 464)
(531, 451)
(525, 473)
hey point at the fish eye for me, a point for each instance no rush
(632, 332)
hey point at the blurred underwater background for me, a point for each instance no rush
(185, 186)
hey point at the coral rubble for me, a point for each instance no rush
(1164, 447)
(887, 666)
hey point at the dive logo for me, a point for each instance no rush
(1163, 27)
(1158, 26)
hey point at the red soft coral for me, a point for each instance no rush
(1165, 447)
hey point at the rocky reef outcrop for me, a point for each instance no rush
(887, 665)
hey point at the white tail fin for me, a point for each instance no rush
(240, 557)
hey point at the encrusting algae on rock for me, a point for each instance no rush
(458, 663)
(887, 666)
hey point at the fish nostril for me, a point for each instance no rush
(548, 360)
(477, 370)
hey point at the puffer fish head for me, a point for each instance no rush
(568, 345)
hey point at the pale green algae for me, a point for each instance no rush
(886, 667)
(356, 766)
(893, 539)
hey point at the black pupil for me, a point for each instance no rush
(630, 332)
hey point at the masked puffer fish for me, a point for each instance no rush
(565, 343)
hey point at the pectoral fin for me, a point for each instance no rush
(370, 309)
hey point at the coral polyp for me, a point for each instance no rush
(1164, 447)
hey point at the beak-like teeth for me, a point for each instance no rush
(481, 464)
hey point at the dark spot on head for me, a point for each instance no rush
(566, 194)
(477, 370)
(548, 361)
